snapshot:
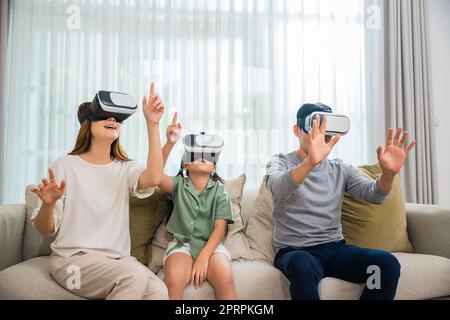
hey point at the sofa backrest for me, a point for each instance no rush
(36, 245)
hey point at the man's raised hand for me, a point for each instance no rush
(318, 148)
(393, 157)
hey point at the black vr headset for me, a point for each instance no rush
(109, 104)
(337, 124)
(202, 147)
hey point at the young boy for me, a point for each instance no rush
(307, 191)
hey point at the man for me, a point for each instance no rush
(307, 191)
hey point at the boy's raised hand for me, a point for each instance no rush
(173, 131)
(319, 149)
(49, 191)
(394, 155)
(152, 106)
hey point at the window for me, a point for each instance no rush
(237, 68)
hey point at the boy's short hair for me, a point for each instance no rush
(308, 108)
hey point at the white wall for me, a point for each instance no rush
(439, 23)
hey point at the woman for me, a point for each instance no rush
(85, 200)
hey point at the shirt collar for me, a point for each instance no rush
(190, 187)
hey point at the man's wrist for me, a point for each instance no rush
(387, 175)
(308, 164)
(385, 182)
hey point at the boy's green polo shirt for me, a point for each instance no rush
(193, 215)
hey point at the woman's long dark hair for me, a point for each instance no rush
(215, 177)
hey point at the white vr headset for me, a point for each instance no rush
(337, 124)
(109, 104)
(202, 147)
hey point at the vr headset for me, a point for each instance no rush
(202, 147)
(109, 104)
(337, 124)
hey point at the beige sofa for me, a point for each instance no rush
(425, 274)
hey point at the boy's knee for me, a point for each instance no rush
(302, 264)
(388, 264)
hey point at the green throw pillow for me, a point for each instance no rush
(145, 216)
(376, 226)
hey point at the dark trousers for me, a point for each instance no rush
(307, 266)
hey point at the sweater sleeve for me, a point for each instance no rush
(362, 188)
(279, 178)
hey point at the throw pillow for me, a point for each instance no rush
(376, 226)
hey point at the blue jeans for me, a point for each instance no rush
(305, 268)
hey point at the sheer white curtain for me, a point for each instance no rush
(237, 68)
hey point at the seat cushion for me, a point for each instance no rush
(422, 277)
(31, 280)
(253, 280)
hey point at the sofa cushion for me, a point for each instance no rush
(145, 216)
(31, 280)
(247, 203)
(34, 244)
(253, 281)
(12, 222)
(159, 244)
(337, 289)
(422, 277)
(235, 240)
(260, 226)
(377, 226)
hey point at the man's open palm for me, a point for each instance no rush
(394, 155)
(319, 149)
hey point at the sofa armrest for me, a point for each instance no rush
(12, 224)
(429, 228)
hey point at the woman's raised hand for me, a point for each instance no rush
(49, 191)
(152, 107)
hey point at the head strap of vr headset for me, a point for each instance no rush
(319, 107)
(86, 115)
